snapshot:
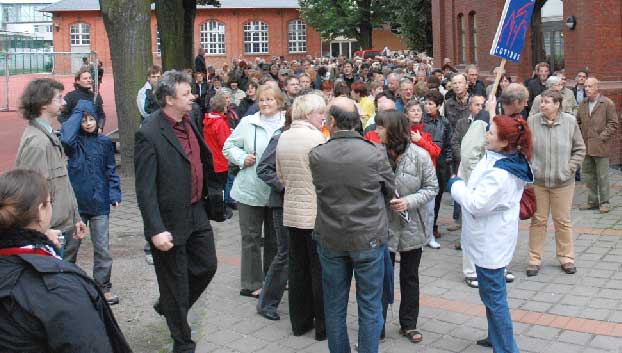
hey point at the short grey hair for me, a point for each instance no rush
(515, 92)
(307, 104)
(167, 85)
(552, 81)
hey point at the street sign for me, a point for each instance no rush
(513, 27)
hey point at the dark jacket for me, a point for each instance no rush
(201, 90)
(478, 89)
(455, 110)
(163, 182)
(351, 202)
(72, 98)
(535, 87)
(199, 64)
(244, 106)
(92, 168)
(266, 171)
(462, 126)
(51, 305)
(441, 131)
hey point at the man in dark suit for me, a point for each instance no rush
(173, 171)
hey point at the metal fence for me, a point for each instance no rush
(17, 69)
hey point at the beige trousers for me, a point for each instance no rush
(558, 203)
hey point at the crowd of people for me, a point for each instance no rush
(335, 168)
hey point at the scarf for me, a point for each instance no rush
(26, 241)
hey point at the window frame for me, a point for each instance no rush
(296, 37)
(212, 37)
(256, 35)
(80, 37)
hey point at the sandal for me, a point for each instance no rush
(471, 282)
(413, 336)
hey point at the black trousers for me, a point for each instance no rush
(183, 274)
(442, 174)
(306, 300)
(409, 289)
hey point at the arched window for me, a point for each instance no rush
(158, 49)
(297, 36)
(80, 34)
(461, 39)
(473, 22)
(212, 37)
(256, 37)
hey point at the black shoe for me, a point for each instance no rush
(158, 308)
(484, 342)
(532, 270)
(269, 315)
(233, 206)
(248, 293)
(111, 298)
(320, 336)
(569, 268)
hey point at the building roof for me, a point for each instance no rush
(90, 5)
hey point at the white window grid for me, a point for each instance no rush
(256, 37)
(297, 36)
(212, 37)
(158, 49)
(80, 34)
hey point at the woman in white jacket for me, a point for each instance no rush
(490, 208)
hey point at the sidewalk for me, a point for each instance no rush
(552, 312)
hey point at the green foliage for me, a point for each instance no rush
(415, 18)
(348, 18)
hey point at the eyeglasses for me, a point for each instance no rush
(261, 100)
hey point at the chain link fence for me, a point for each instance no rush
(17, 69)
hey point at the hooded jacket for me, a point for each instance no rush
(216, 130)
(51, 305)
(80, 93)
(490, 203)
(92, 168)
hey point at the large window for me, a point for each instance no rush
(473, 21)
(297, 36)
(158, 49)
(80, 34)
(256, 37)
(213, 37)
(461, 39)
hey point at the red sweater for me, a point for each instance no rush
(426, 142)
(216, 130)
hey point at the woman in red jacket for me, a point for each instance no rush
(216, 130)
(414, 113)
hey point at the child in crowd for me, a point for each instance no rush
(93, 176)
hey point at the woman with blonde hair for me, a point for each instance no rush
(245, 148)
(306, 305)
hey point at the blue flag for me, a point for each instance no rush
(513, 27)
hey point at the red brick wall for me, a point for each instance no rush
(384, 38)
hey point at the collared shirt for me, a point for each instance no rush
(580, 95)
(190, 145)
(45, 124)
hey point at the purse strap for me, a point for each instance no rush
(255, 141)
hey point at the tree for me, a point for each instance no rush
(414, 18)
(176, 24)
(128, 25)
(350, 18)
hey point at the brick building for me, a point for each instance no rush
(463, 31)
(239, 28)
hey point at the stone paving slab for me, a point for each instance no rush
(552, 312)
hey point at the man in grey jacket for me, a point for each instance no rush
(41, 150)
(354, 182)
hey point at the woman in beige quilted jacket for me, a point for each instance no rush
(299, 212)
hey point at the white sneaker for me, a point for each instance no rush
(433, 244)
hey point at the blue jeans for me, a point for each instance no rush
(102, 261)
(337, 269)
(494, 296)
(228, 187)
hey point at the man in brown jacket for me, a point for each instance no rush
(598, 120)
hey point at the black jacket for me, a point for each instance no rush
(199, 64)
(50, 305)
(242, 108)
(266, 171)
(478, 89)
(72, 98)
(163, 178)
(441, 132)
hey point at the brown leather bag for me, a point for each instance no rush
(528, 204)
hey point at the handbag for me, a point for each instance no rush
(528, 205)
(215, 204)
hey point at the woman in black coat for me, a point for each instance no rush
(46, 304)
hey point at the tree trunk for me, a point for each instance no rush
(176, 35)
(190, 11)
(128, 25)
(365, 25)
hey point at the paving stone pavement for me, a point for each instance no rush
(552, 312)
